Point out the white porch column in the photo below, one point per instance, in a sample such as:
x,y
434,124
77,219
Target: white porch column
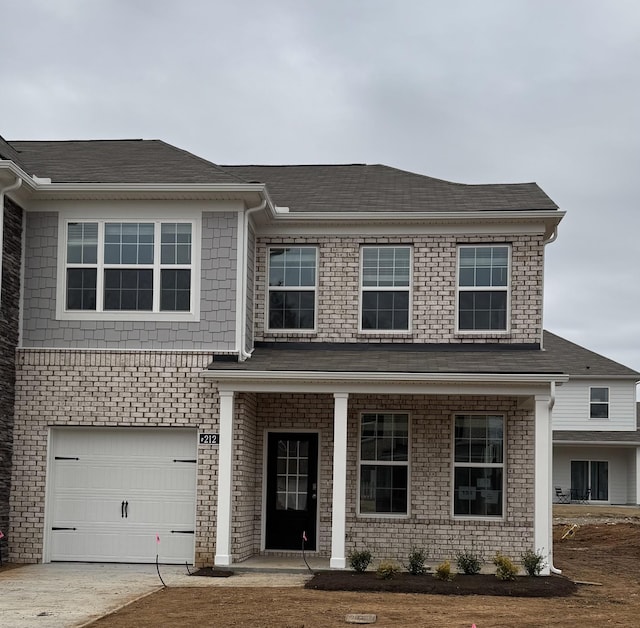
x,y
225,480
638,475
542,485
338,519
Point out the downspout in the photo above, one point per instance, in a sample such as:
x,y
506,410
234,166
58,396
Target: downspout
x,y
243,354
3,191
552,238
552,402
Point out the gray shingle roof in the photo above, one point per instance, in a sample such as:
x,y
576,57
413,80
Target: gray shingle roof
x,y
305,188
117,161
361,187
560,356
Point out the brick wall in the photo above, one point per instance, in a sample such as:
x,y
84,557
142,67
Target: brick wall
x,y
434,293
128,388
429,524
9,317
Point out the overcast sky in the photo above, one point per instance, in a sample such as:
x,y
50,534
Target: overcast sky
x,y
465,90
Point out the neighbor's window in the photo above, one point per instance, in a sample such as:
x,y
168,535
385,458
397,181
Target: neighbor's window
x,y
599,403
292,287
483,288
129,266
478,465
385,294
384,463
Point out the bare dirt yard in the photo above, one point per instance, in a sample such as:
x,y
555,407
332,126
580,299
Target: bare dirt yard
x,y
604,549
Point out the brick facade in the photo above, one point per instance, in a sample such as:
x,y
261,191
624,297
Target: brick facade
x,y
430,523
9,317
433,290
106,389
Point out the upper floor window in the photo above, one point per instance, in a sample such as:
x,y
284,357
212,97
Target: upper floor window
x,y
385,294
139,268
478,473
384,463
599,403
292,288
483,288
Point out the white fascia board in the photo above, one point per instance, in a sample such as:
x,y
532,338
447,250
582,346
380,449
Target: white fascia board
x,y
402,383
489,222
604,378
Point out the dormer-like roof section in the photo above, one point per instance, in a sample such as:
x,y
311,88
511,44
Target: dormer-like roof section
x,y
378,188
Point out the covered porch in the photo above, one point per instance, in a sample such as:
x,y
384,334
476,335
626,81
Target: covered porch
x,y
262,411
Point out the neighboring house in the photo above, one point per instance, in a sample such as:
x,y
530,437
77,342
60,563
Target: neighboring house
x,y
10,254
232,357
596,440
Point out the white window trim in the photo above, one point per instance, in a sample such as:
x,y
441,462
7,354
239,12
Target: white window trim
x,y
494,465
384,515
409,289
144,215
459,288
608,402
314,288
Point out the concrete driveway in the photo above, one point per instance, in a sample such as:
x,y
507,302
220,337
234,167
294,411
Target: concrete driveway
x,y
59,595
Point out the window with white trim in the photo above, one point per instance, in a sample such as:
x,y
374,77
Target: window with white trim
x,y
127,266
599,402
292,288
385,288
483,288
384,463
478,474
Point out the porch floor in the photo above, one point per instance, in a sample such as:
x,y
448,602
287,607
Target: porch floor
x,y
279,564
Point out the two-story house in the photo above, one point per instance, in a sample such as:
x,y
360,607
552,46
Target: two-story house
x,y
596,440
237,359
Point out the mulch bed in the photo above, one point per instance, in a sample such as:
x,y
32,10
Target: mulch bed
x,y
212,572
479,584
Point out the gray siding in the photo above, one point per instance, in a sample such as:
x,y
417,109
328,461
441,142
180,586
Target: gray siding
x,y
214,330
251,272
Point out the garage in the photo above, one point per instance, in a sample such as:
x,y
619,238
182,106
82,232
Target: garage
x,y
114,493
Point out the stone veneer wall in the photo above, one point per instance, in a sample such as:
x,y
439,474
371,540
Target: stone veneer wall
x,y
430,524
9,318
107,389
433,291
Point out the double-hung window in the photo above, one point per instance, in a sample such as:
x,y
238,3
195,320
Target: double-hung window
x,y
384,463
385,294
143,269
292,288
478,473
598,403
483,288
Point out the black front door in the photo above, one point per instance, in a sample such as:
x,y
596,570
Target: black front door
x,y
292,489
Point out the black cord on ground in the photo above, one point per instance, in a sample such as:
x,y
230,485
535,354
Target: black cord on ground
x,y
186,564
158,570
304,538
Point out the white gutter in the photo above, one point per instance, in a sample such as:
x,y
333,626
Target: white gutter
x,y
243,243
552,402
3,191
343,376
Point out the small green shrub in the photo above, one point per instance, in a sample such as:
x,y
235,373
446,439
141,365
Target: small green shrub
x,y
359,560
387,570
417,560
505,569
469,562
534,562
443,571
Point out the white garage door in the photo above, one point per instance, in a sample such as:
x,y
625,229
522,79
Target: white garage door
x,y
111,491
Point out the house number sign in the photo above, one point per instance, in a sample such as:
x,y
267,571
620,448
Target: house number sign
x,y
209,439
